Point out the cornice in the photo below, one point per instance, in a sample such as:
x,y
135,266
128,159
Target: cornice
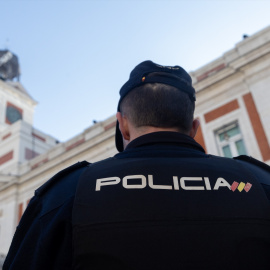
x,y
6,87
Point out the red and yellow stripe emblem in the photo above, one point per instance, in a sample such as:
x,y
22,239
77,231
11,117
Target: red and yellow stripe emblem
x,y
242,186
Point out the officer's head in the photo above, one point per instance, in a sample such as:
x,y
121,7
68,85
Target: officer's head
x,y
155,98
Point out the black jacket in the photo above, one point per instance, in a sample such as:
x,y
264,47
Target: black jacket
x,y
43,237
161,204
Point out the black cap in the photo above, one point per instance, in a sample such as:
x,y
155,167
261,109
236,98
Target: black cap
x,y
171,75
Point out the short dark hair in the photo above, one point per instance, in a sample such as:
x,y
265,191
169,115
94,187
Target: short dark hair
x,y
159,105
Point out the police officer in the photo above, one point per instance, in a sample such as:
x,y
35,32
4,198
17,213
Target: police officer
x,y
161,202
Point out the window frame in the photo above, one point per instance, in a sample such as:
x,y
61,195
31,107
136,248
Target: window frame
x,y
231,141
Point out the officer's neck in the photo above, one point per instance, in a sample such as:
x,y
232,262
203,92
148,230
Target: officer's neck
x,y
131,132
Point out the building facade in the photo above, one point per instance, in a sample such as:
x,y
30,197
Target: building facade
x,y
232,100
233,93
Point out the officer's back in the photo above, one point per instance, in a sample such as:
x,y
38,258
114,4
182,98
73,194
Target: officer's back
x,y
162,203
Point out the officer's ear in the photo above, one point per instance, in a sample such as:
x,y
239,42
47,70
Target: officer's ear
x,y
123,126
194,129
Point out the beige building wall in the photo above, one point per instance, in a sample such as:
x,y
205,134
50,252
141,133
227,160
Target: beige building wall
x,y
234,89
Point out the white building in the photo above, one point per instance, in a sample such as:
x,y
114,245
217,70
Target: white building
x,y
233,93
19,143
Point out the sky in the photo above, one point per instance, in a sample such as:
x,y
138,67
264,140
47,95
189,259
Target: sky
x,y
76,54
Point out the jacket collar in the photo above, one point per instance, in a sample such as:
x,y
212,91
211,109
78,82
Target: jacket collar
x,y
165,138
